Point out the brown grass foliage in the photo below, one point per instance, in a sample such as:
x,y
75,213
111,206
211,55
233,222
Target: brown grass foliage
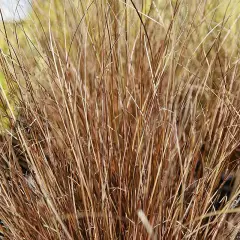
x,y
127,117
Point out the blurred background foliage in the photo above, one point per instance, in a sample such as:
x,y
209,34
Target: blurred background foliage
x,y
55,21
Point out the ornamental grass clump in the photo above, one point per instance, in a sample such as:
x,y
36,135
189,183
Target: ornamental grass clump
x,y
125,121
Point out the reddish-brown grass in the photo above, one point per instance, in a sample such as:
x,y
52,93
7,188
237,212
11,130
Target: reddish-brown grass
x,y
123,126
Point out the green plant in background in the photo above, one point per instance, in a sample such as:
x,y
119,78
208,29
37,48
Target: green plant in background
x,y
7,105
8,93
26,36
13,15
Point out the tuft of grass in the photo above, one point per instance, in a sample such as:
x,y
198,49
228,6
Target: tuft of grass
x,y
125,121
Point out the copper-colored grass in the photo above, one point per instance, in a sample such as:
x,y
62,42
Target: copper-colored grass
x,y
124,124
